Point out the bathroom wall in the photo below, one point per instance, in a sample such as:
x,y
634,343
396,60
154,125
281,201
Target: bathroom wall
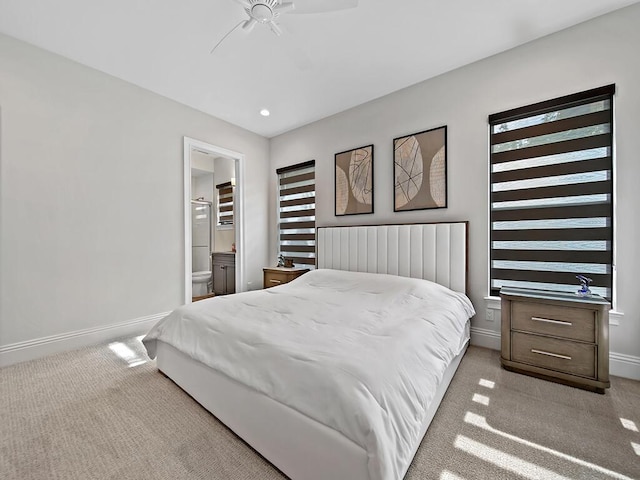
x,y
203,186
201,161
202,233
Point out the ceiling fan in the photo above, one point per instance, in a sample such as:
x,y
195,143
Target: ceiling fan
x,y
267,12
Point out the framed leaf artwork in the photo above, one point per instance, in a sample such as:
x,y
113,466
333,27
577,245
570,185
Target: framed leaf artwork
x,y
354,181
420,170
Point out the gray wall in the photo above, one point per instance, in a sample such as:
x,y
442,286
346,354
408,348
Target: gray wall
x,y
592,54
91,184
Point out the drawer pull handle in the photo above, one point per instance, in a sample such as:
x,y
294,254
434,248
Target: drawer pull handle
x,y
549,354
275,281
556,322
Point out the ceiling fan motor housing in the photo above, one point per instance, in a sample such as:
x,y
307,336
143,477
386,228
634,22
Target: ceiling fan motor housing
x,y
263,11
267,12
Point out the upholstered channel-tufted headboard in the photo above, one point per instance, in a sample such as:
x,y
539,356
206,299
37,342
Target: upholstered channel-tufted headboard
x,y
433,251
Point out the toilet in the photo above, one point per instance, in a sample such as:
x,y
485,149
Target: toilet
x,y
199,281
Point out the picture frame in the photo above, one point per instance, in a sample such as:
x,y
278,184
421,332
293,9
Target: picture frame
x,y
354,181
420,170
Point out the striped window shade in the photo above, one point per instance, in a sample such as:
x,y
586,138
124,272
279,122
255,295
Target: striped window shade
x,y
297,212
552,194
225,203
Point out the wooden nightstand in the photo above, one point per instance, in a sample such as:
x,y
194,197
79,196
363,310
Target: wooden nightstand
x,y
274,276
556,336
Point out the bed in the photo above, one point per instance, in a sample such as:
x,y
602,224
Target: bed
x,y
339,373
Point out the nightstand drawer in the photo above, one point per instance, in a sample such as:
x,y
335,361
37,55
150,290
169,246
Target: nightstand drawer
x,y
274,276
272,279
555,320
555,354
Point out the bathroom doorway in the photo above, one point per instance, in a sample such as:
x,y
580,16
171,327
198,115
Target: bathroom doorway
x,y
213,227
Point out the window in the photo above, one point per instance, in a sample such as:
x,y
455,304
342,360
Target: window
x,y
225,204
552,194
297,212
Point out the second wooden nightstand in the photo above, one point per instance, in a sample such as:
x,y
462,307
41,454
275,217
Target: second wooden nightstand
x,y
556,336
274,276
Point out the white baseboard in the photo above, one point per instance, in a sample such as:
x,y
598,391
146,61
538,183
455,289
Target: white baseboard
x,y
40,347
626,366
485,338
620,365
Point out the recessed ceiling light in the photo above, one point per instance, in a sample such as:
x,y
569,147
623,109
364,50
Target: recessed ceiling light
x,y
264,112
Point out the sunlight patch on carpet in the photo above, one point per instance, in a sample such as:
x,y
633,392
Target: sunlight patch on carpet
x,y
447,475
506,461
629,424
482,399
481,422
486,383
126,354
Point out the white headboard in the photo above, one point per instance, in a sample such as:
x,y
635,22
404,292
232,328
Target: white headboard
x,y
433,251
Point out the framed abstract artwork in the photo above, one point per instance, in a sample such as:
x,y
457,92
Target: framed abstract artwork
x,y
420,170
354,181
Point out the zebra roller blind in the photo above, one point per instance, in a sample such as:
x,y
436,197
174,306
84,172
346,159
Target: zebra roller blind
x,y
552,194
225,203
297,212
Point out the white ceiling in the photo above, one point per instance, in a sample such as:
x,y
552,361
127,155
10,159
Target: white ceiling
x,y
321,65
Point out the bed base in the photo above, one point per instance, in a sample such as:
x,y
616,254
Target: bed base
x,y
297,445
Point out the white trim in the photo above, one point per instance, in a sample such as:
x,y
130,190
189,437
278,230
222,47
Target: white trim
x,y
482,337
187,145
614,316
626,366
620,365
614,203
492,302
40,347
238,207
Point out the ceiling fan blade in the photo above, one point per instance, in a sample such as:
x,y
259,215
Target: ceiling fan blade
x,y
323,6
284,7
225,36
275,28
249,24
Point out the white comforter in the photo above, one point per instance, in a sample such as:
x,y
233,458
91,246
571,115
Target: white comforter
x,y
361,353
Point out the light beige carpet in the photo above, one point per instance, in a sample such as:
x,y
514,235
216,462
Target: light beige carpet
x,y
98,413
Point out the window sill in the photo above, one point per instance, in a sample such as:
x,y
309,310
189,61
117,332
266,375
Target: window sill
x,y
492,302
224,227
614,316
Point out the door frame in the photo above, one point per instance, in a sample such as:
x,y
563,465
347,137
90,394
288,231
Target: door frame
x,y
238,209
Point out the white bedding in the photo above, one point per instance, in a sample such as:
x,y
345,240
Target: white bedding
x,y
361,353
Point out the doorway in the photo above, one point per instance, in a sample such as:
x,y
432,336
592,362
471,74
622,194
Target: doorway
x,y
206,168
